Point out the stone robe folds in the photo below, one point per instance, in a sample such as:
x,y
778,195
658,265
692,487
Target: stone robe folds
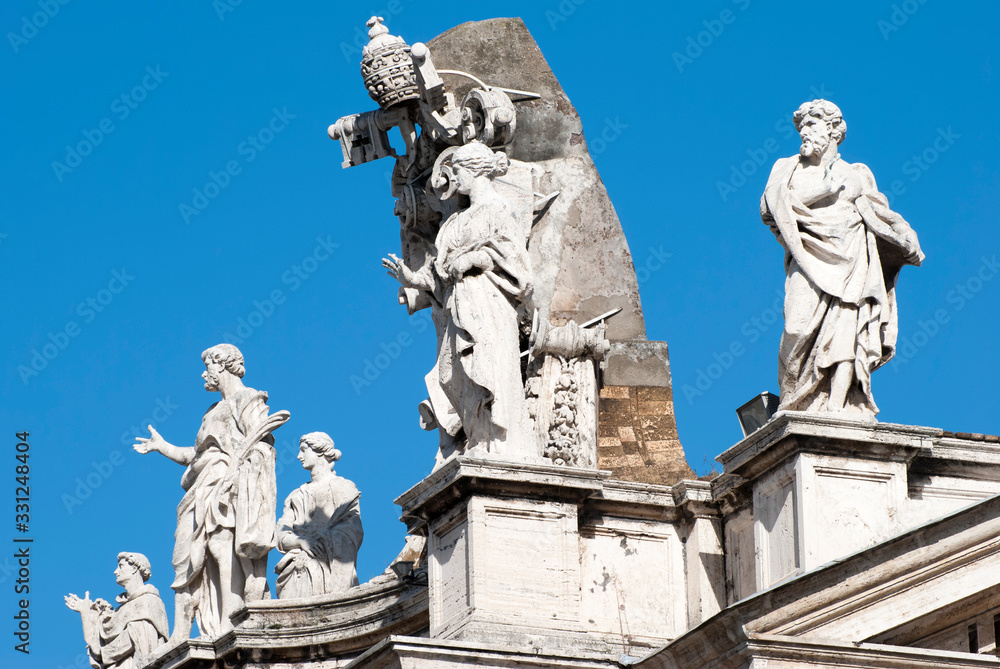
x,y
478,366
242,516
326,517
842,260
133,631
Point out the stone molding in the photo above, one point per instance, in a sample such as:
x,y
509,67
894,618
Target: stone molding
x,y
398,652
310,628
827,434
871,592
463,476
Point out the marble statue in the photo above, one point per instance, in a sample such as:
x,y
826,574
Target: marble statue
x,y
482,274
123,638
464,235
844,248
225,521
320,530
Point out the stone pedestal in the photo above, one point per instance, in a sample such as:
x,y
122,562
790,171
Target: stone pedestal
x,y
503,548
806,489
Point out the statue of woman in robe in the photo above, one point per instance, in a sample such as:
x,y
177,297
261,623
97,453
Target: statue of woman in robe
x,y
482,273
320,530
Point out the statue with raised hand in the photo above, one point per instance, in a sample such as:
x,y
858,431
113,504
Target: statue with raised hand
x,y
225,521
123,638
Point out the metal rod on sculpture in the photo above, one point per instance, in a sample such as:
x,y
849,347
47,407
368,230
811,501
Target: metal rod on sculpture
x,y
595,321
526,95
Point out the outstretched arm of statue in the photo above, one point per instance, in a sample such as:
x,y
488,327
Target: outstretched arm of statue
x,y
88,616
182,455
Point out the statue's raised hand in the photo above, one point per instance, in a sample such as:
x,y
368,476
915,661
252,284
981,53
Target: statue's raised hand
x,y
398,270
77,604
154,442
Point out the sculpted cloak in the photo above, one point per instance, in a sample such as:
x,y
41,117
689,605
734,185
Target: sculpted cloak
x,y
209,507
326,516
843,255
478,365
134,630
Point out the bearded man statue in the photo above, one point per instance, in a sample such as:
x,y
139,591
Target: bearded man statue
x,y
844,248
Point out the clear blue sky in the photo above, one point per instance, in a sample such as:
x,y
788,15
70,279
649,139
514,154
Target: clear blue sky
x,y
100,265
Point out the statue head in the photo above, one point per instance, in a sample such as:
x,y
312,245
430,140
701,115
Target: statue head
x,y
127,562
457,167
315,446
218,358
480,160
819,122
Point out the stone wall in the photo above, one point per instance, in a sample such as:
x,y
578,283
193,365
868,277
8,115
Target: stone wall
x,y
637,435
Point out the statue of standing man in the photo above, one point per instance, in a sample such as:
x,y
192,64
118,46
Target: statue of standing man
x,y
226,519
844,248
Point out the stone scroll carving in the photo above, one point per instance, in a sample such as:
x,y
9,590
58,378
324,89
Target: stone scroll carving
x,y
844,248
320,530
124,637
562,390
226,519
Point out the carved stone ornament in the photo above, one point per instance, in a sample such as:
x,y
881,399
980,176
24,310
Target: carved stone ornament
x,y
562,390
386,67
488,116
124,637
320,530
844,248
225,521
